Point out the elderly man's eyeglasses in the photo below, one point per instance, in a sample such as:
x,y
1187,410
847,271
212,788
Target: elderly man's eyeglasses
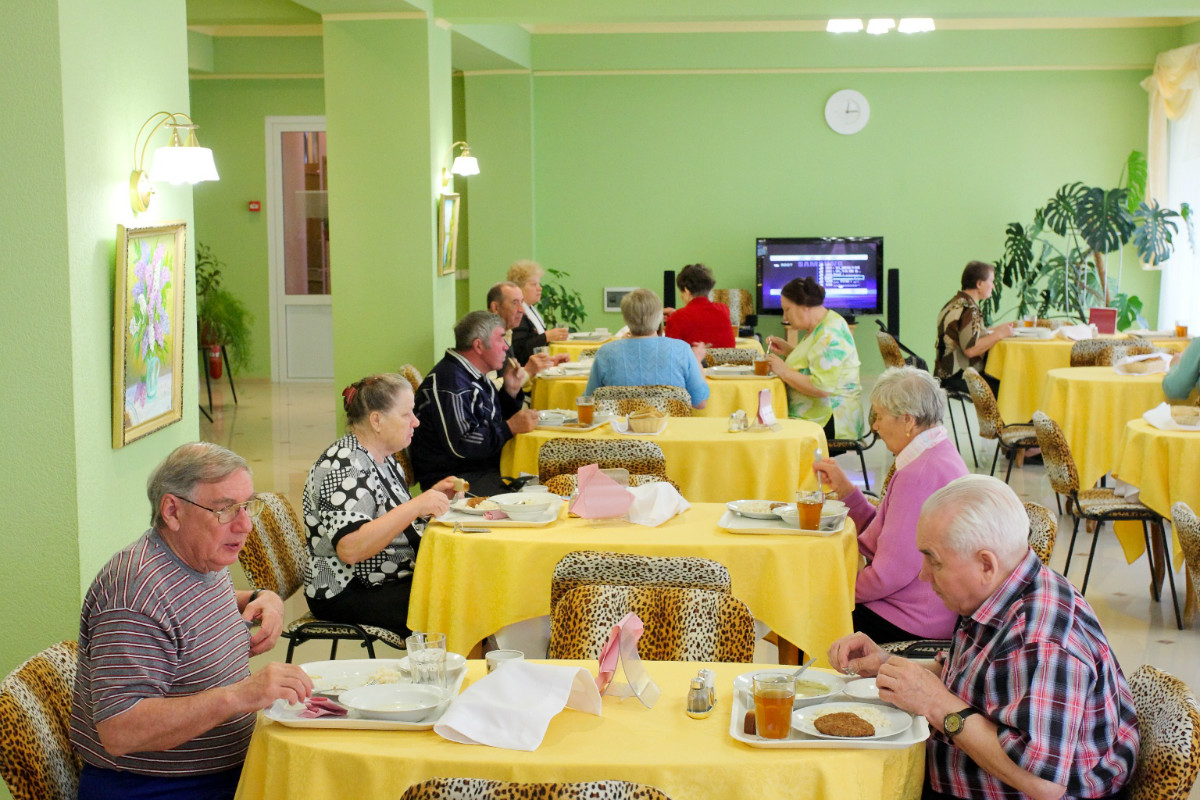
x,y
253,507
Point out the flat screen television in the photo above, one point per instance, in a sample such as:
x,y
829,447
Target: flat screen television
x,y
849,267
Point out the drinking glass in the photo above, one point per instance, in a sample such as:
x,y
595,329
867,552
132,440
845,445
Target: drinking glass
x,y
1181,329
761,365
427,658
1030,321
773,697
585,409
808,506
496,658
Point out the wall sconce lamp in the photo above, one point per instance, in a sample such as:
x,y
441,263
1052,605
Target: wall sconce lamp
x,y
465,164
179,162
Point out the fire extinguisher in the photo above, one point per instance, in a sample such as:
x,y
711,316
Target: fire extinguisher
x,y
214,361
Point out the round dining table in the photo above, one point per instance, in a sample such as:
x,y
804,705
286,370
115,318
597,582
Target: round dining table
x,y
708,462
726,394
687,759
469,585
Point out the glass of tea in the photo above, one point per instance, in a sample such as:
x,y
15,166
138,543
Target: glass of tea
x,y
773,697
808,505
585,409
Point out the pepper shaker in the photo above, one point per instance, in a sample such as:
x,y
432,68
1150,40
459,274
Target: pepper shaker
x,y
699,703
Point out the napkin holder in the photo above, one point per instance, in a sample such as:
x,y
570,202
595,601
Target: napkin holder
x,y
620,654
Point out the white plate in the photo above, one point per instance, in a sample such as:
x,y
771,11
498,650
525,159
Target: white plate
x,y
740,507
577,368
745,683
1168,334
732,369
451,517
888,721
733,523
1033,333
864,689
331,678
573,427
461,507
587,336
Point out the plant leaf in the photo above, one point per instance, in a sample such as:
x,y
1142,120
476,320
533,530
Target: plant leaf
x,y
1154,232
1059,213
1103,221
1135,179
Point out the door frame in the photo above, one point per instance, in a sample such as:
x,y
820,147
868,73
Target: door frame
x,y
274,126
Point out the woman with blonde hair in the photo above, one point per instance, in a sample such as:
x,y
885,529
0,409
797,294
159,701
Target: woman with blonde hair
x,y
532,332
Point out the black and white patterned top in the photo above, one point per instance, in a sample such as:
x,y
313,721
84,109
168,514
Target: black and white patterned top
x,y
345,490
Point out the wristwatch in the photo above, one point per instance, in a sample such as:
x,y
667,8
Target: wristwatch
x,y
952,724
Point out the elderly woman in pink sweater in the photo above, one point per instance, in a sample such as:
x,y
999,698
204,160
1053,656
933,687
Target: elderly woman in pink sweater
x,y
891,602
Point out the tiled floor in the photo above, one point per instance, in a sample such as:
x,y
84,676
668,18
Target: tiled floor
x,y
281,428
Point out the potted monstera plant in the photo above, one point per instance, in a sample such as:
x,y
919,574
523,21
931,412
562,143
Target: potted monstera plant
x,y
222,319
1059,266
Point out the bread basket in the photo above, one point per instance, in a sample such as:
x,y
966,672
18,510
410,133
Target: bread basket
x,y
647,420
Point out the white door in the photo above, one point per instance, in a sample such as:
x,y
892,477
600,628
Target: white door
x,y
298,250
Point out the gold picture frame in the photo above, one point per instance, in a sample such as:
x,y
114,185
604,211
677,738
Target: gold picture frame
x,y
148,329
448,208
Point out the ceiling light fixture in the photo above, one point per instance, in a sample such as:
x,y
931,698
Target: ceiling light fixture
x,y
179,162
879,26
844,26
916,25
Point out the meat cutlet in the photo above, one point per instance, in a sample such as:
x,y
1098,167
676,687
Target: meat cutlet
x,y
843,723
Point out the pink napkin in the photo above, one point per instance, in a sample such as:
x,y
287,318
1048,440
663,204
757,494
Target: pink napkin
x,y
321,707
766,411
599,496
495,514
632,627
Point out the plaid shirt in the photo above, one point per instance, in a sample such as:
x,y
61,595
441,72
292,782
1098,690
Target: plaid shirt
x,y
1034,661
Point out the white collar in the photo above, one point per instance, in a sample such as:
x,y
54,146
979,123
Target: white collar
x,y
920,443
532,314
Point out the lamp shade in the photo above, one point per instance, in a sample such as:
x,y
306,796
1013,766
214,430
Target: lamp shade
x,y
465,164
178,164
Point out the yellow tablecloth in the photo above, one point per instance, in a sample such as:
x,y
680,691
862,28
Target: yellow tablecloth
x,y
1021,365
687,759
726,395
710,464
1164,465
470,585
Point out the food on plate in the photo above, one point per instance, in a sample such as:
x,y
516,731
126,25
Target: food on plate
x,y
1143,367
384,675
461,485
810,688
843,723
778,505
756,506
1186,415
750,724
481,503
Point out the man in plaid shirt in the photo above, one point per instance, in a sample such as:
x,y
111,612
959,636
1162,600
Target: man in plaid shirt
x,y
1030,699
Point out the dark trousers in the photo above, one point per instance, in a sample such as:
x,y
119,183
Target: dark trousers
x,y
385,606
879,629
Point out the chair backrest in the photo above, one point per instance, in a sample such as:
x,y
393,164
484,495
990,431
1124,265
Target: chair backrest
x,y
729,355
1187,528
641,393
739,301
680,624
1169,729
412,375
1056,455
671,406
36,758
887,479
889,349
588,352
565,455
990,421
565,485
275,555
404,461
1093,352
589,567
484,789
1043,528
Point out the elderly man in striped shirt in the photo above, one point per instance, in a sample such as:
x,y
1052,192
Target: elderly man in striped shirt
x,y
164,699
1030,700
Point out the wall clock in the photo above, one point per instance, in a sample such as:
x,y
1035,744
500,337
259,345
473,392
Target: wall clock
x,y
847,111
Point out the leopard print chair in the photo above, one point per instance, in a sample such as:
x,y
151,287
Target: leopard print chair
x,y
275,557
1187,528
729,355
1096,352
590,568
680,624
889,348
564,456
1009,438
567,485
1098,504
483,789
739,302
1169,728
620,400
412,375
36,758
588,352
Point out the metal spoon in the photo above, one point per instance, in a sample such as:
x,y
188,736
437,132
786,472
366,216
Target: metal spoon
x,y
796,675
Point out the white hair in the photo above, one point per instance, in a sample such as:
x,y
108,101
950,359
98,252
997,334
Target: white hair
x,y
981,513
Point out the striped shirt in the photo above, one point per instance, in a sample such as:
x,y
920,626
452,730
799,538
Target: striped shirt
x,y
1034,660
153,627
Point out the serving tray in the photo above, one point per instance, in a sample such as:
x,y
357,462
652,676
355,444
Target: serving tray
x,y
916,733
735,523
451,517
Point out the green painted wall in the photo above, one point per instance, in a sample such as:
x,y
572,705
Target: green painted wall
x,y
78,98
232,116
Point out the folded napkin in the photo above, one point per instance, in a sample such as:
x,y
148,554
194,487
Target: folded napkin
x,y
1160,417
630,626
599,496
1147,364
321,707
1076,333
766,411
655,503
512,707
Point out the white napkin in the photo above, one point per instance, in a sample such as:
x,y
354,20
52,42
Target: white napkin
x,y
1163,359
655,503
512,707
1160,417
1076,332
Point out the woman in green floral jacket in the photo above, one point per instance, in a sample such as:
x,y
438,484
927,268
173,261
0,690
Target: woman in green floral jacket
x,y
821,369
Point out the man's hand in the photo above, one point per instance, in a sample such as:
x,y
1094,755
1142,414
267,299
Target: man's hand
x,y
912,687
556,334
267,611
275,681
858,654
514,376
538,362
523,421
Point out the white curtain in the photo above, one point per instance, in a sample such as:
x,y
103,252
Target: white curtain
x,y
1173,158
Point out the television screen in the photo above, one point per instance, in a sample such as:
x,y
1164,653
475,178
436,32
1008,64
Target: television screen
x,y
850,268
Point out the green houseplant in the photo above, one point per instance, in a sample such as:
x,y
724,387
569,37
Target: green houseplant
x,y
1058,265
559,305
222,319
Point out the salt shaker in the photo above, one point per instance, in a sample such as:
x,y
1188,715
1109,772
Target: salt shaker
x,y
699,701
710,683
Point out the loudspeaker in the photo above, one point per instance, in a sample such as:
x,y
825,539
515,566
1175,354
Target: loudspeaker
x,y
893,302
668,295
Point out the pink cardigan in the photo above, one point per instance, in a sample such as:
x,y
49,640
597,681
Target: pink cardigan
x,y
889,585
